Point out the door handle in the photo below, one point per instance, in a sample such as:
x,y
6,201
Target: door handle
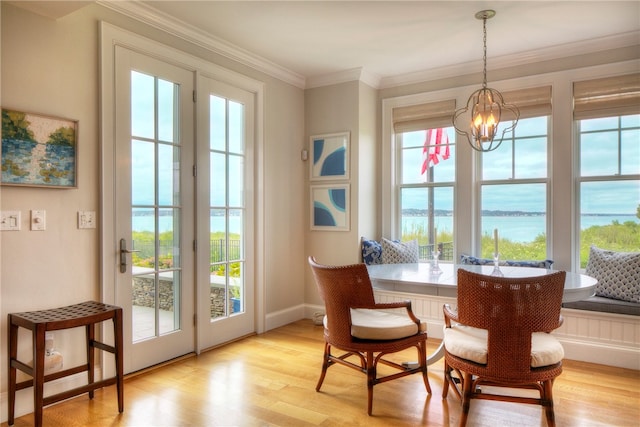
x,y
123,255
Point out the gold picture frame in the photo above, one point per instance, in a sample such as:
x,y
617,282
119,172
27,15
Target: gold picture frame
x,y
39,150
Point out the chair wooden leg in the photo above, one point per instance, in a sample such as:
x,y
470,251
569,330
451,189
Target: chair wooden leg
x,y
422,350
547,402
371,380
467,383
447,376
325,364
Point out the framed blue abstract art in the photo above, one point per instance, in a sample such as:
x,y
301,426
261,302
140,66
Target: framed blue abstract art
x,y
330,156
330,207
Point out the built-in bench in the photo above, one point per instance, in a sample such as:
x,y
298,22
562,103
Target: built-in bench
x,y
599,329
618,289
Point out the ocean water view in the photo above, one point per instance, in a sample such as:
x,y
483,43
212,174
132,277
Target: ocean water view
x,y
515,228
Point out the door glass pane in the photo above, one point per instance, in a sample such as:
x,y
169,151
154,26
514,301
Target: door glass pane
x,y
168,175
218,257
226,201
218,123
155,207
166,113
169,238
218,184
142,105
142,172
236,181
236,127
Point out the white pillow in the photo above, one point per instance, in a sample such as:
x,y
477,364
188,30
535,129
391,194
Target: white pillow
x,y
618,273
399,252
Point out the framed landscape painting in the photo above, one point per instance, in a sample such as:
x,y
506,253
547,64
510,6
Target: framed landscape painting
x,y
330,156
330,207
38,150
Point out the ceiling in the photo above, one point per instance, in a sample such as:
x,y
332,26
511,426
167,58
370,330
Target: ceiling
x,y
385,39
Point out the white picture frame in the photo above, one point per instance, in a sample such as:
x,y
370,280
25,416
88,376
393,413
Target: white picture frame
x,y
329,156
330,207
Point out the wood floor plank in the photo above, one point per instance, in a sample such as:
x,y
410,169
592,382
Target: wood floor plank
x,y
270,379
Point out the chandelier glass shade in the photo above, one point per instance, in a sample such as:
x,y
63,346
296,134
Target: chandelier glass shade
x,y
478,121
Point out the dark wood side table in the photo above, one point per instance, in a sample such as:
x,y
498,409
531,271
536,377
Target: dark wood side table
x,y
86,314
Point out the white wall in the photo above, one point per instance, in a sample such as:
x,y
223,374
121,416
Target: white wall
x,y
51,67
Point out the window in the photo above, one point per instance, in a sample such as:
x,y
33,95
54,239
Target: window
x,y
514,182
513,193
426,176
608,131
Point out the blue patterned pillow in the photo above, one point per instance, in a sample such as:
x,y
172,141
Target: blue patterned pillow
x,y
471,260
547,263
371,251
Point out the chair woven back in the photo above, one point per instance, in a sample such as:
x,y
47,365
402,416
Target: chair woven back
x,y
342,287
510,309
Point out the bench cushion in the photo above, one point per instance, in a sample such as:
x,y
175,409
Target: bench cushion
x,y
605,305
471,260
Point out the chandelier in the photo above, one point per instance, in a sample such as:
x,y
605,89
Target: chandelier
x,y
480,118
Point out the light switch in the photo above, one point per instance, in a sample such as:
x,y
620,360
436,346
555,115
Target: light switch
x,y
86,219
10,221
38,220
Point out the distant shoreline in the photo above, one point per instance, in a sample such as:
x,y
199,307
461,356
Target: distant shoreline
x,y
439,212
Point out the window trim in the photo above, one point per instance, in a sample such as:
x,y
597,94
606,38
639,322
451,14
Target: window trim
x,y
562,199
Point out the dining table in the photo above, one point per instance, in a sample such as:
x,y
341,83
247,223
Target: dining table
x,y
441,280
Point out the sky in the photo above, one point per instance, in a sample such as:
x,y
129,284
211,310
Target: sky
x,y
604,157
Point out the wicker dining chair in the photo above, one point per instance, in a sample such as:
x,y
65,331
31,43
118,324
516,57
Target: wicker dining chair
x,y
499,337
359,327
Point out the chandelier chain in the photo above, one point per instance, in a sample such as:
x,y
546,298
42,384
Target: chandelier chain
x,y
484,56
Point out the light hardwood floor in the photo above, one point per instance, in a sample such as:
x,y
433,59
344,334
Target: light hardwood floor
x,y
270,379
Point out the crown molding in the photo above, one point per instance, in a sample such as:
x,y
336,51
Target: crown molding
x,y
353,74
521,58
180,29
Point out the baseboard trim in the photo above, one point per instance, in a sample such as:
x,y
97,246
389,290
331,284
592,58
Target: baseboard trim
x,y
284,317
611,355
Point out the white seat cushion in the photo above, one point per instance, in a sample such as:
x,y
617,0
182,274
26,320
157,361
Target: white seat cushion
x,y
383,324
471,344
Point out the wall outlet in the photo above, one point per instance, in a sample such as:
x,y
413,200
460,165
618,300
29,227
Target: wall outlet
x,y
86,219
38,220
10,220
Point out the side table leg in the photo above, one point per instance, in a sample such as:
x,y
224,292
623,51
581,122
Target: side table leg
x,y
91,335
38,373
13,355
119,341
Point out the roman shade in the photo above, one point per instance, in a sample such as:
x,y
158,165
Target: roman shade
x,y
532,102
606,97
431,115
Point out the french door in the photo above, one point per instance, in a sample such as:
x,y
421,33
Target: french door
x,y
177,199
225,221
154,208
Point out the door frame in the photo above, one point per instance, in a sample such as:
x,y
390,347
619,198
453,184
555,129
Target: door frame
x,y
110,36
